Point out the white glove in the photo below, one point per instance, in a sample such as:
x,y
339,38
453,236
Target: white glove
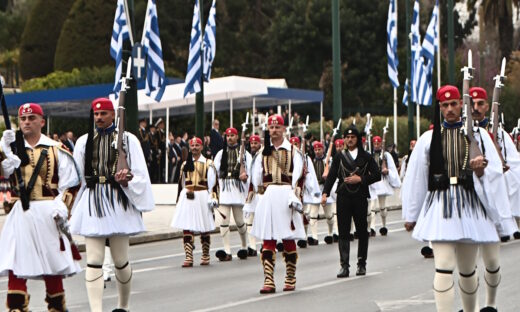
x,y
247,215
12,161
212,203
8,137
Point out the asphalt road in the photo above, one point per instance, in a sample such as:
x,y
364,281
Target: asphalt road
x,y
398,279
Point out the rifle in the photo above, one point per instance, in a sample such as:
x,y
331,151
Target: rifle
x,y
474,150
24,197
243,146
495,124
329,150
122,163
384,164
289,128
368,132
303,148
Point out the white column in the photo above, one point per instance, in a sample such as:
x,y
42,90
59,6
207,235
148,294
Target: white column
x,y
212,112
279,110
254,115
151,116
395,117
290,111
167,161
231,112
49,126
321,121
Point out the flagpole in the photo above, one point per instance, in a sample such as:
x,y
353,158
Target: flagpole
x,y
199,98
396,5
418,121
438,51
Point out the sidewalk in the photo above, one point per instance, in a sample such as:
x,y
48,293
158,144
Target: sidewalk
x,y
157,224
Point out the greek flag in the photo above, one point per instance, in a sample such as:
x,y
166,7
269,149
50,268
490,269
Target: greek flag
x,y
210,44
155,76
426,61
119,34
415,40
193,75
391,46
405,94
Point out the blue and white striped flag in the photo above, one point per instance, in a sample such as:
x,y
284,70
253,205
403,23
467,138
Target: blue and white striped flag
x,y
119,34
405,94
391,46
193,75
155,76
210,43
415,40
426,61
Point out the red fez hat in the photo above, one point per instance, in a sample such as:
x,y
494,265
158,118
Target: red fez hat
x,y
275,120
430,127
377,138
339,142
478,93
294,140
102,104
447,93
30,109
231,131
254,138
195,140
317,144
363,139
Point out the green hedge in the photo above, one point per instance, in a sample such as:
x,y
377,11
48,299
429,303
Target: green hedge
x,y
76,77
84,40
40,36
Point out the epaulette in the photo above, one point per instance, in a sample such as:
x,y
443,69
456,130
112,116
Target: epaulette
x,y
64,149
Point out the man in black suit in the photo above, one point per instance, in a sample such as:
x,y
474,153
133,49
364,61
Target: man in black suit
x,y
356,170
216,142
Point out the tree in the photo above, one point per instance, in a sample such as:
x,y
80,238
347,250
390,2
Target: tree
x,y
40,35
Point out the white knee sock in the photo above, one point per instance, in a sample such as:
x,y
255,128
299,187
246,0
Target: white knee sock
x,y
313,222
224,227
241,225
443,283
329,214
119,248
94,273
468,278
252,239
491,255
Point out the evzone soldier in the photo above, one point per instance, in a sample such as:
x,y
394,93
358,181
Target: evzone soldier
x,y
32,246
355,170
383,189
253,196
504,204
406,158
278,212
110,202
445,197
234,187
197,198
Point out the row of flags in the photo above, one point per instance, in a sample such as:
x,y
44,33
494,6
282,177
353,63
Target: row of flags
x,y
152,50
423,55
209,46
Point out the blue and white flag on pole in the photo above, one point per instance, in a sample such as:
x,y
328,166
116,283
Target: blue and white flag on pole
x,y
119,34
155,76
415,40
425,63
405,94
210,43
391,46
193,75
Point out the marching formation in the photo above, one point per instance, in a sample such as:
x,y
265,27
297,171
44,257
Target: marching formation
x,y
460,194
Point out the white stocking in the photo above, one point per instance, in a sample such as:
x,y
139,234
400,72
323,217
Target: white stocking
x,y
313,222
107,264
443,283
252,239
468,279
241,225
94,273
383,209
491,256
373,209
119,248
224,225
335,226
329,215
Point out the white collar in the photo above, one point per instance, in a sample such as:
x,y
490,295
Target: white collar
x,y
285,145
44,140
201,159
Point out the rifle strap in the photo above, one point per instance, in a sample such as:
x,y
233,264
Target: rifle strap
x,y
348,158
36,171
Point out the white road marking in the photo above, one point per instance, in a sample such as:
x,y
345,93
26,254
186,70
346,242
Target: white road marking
x,y
271,296
399,305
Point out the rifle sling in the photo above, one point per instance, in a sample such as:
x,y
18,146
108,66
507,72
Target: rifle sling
x,y
348,158
36,171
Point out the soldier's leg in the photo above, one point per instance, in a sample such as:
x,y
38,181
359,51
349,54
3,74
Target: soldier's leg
x,y
188,244
468,277
119,248
373,208
313,223
223,215
335,233
251,251
516,235
491,256
205,240
384,212
238,215
329,216
443,283
17,297
107,265
95,247
55,297
290,256
359,214
268,259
